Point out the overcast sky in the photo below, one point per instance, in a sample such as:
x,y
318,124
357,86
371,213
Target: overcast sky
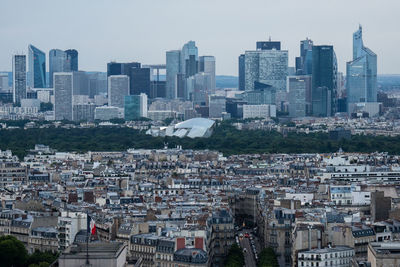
x,y
133,30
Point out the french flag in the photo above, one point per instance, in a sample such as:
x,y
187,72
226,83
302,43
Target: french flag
x,y
91,225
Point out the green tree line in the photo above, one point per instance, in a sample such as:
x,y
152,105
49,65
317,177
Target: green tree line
x,y
225,139
14,253
235,257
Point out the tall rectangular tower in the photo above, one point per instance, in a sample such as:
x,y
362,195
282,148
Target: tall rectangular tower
x,y
173,60
63,87
118,88
324,81
57,63
242,71
19,78
189,59
297,96
304,62
207,65
139,81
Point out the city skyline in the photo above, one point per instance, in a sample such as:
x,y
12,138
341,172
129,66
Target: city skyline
x,y
100,40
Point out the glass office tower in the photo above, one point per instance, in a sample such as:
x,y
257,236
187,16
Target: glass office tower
x,y
361,75
72,60
57,63
173,66
324,79
135,107
139,81
189,59
37,67
242,72
304,62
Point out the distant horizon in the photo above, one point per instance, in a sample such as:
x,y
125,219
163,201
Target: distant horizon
x,y
219,75
103,31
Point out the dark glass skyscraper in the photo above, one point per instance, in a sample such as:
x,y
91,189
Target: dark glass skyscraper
x,y
324,72
268,45
37,67
115,68
242,71
139,81
139,78
72,60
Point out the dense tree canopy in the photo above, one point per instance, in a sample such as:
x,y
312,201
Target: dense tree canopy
x,y
235,257
14,253
225,139
41,259
267,258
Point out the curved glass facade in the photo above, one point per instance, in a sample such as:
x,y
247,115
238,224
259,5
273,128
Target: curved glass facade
x,y
37,67
361,72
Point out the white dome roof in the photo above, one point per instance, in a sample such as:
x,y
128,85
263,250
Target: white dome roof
x,y
195,122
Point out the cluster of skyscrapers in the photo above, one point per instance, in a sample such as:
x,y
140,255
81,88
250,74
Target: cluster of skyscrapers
x,y
313,87
36,76
267,85
189,76
184,77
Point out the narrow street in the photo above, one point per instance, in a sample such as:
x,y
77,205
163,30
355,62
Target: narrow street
x,y
245,244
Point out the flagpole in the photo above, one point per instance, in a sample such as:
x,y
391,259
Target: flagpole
x,y
87,238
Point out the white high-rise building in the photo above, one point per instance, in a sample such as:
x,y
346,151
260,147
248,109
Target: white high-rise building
x,y
118,88
63,86
69,224
217,106
143,105
207,65
297,87
57,63
19,78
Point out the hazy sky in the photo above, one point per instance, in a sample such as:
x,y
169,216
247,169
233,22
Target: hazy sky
x,y
133,30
